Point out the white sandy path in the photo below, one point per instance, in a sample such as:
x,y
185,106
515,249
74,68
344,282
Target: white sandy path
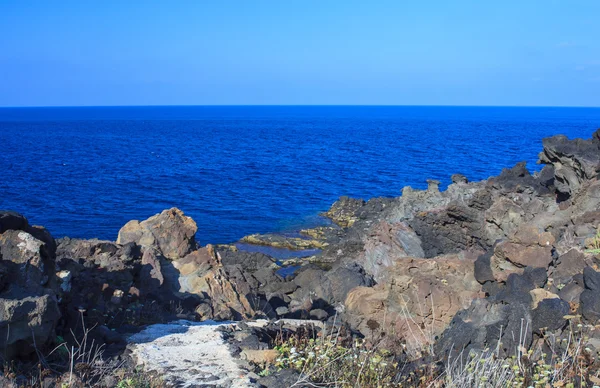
x,y
188,354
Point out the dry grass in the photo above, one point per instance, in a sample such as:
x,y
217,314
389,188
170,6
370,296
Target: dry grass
x,y
330,359
79,365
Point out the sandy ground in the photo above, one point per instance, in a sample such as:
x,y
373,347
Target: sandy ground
x,y
188,354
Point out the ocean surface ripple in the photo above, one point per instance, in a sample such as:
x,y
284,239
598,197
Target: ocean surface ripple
x,y
85,172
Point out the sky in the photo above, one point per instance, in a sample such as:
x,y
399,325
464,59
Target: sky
x,y
400,52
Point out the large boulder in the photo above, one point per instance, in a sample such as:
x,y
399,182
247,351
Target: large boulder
x,y
201,273
326,290
28,304
528,247
10,220
417,303
170,231
27,322
590,297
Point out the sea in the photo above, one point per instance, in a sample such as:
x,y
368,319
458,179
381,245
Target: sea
x,y
86,171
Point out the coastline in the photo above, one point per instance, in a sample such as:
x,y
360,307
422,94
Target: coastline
x,y
461,262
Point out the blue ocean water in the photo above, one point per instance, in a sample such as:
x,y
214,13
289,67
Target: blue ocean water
x,y
85,172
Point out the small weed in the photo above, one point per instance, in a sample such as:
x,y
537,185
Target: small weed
x,y
594,244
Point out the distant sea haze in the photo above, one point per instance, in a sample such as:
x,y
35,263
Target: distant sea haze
x,y
84,172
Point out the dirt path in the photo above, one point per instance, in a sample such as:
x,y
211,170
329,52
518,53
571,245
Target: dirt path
x,y
188,354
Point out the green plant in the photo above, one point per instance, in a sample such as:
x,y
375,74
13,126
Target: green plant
x,y
594,244
138,378
328,359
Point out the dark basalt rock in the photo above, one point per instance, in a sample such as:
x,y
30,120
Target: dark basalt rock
x,y
518,179
250,261
549,315
591,279
590,305
455,229
505,316
320,289
483,270
284,378
568,265
10,220
590,297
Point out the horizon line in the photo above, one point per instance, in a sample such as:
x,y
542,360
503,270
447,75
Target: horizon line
x,y
295,105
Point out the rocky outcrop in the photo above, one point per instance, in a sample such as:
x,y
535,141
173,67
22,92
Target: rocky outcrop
x,y
10,220
481,264
506,320
527,248
386,244
28,304
171,232
201,273
317,289
343,211
417,302
280,241
574,162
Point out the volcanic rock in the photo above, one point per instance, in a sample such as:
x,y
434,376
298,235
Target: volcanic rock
x,y
170,231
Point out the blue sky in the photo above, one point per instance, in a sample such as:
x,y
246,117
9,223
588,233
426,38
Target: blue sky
x,y
300,52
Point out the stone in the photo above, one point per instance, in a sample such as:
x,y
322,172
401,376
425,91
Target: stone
x,y
571,292
527,248
574,162
28,262
65,278
459,178
517,179
591,279
284,378
151,278
449,230
420,293
342,212
483,271
539,294
568,265
10,220
201,273
590,305
487,323
387,243
318,314
549,313
25,322
433,185
284,242
320,289
171,232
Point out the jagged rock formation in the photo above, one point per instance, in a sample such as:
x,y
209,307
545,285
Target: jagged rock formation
x,y
170,231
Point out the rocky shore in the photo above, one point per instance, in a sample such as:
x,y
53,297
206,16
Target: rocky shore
x,y
501,263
